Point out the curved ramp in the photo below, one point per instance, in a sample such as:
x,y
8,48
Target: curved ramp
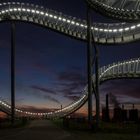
x,y
125,69
104,33
126,10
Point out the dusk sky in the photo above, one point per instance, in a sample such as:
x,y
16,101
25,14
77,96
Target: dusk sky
x,y
51,68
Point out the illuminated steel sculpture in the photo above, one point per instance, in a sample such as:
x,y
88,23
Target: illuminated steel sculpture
x,y
125,69
103,33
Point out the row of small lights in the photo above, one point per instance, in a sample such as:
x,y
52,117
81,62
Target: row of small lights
x,y
74,104
121,63
6,105
40,114
114,8
70,21
118,30
18,110
74,23
108,6
46,14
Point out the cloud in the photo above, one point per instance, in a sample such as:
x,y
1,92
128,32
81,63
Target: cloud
x,y
72,97
20,100
50,98
71,77
130,88
72,83
42,94
43,89
42,68
29,64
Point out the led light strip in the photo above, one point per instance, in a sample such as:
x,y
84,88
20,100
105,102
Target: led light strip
x,y
72,22
113,8
77,103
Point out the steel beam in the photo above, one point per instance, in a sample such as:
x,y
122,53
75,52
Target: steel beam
x,y
89,65
12,72
97,87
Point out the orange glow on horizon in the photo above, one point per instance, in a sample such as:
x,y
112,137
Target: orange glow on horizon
x,y
2,115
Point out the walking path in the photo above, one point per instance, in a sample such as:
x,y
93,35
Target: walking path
x,y
37,130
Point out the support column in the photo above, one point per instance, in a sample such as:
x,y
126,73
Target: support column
x,y
89,65
97,86
107,118
12,73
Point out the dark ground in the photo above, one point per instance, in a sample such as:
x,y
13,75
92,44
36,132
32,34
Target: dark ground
x,y
46,130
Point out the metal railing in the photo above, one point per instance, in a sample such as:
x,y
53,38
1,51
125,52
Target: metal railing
x,y
104,33
125,69
127,10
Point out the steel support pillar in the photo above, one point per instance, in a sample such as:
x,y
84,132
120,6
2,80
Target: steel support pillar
x,y
89,65
107,109
97,87
12,72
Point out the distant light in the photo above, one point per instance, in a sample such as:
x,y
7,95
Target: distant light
x,y
51,15
110,30
3,12
42,13
15,9
126,29
100,29
120,30
115,30
68,21
33,11
133,27
64,19
19,9
11,10
37,12
85,26
23,9
46,14
96,29
138,25
60,18
77,24
105,30
72,22
28,10
81,25
55,17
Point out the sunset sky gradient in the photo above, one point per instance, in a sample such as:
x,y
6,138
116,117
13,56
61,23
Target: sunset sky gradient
x,y
51,68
